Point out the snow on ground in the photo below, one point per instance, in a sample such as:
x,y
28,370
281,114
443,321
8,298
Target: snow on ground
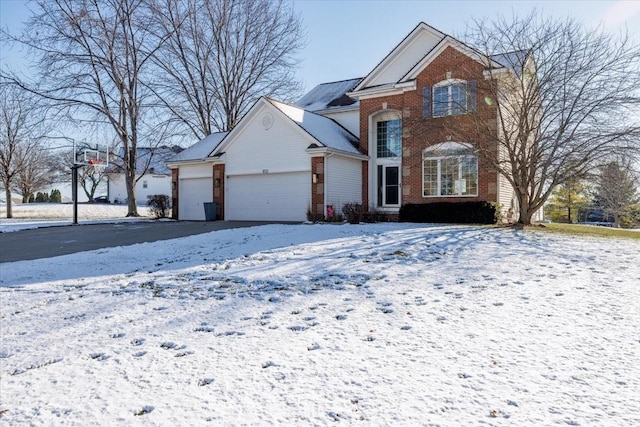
x,y
35,215
387,324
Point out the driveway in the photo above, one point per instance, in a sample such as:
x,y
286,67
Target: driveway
x,y
53,241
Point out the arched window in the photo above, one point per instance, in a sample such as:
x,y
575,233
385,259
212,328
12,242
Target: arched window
x,y
449,169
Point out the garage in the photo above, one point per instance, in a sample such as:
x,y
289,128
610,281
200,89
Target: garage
x,y
268,197
194,192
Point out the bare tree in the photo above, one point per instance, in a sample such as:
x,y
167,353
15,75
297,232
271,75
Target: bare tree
x,y
37,173
92,56
20,117
89,177
565,99
221,56
616,190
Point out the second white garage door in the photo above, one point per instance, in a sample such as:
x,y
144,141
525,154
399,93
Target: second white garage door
x,y
268,197
193,193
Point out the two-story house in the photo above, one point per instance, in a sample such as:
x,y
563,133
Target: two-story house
x,y
404,134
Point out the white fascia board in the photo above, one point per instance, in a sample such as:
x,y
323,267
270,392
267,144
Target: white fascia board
x,y
448,41
322,151
391,56
389,89
212,160
337,110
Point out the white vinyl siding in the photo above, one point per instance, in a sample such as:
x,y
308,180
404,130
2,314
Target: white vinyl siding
x,y
350,120
155,184
345,182
256,150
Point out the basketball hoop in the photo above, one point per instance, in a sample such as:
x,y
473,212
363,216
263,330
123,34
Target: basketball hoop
x,y
95,165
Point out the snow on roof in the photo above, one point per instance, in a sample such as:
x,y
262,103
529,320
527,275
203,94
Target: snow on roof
x,y
201,149
155,157
513,60
326,131
329,95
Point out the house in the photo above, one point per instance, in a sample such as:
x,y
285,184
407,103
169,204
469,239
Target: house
x,y
403,134
152,177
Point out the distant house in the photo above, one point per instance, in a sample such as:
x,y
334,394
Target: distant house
x,y
153,176
383,141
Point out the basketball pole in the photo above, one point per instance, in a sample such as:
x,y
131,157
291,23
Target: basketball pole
x,y
74,190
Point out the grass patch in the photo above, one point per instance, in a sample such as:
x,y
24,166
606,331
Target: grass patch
x,y
588,230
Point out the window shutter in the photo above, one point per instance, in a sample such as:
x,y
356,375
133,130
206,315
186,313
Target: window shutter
x,y
426,102
472,96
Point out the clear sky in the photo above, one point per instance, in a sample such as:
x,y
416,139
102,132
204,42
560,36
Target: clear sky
x,y
346,39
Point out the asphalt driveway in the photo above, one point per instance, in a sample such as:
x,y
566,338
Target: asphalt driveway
x,y
53,241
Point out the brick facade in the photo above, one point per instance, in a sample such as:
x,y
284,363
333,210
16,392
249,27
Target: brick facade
x,y
317,188
218,189
420,132
174,192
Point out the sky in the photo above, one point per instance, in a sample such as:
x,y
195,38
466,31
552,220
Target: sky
x,y
347,39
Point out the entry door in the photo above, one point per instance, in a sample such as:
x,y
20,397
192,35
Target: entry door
x,y
388,186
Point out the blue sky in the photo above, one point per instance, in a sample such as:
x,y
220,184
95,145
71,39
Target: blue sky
x,y
346,39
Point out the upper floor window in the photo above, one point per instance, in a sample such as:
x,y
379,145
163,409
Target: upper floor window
x,y
450,98
389,138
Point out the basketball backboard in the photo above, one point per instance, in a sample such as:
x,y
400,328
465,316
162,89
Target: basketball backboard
x,y
91,155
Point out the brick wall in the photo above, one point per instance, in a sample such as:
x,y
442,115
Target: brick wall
x,y
174,193
420,132
218,189
317,189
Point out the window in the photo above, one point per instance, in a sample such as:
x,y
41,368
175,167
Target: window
x,y
450,98
389,138
449,169
144,184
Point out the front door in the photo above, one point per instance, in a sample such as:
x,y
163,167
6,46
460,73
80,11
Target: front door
x,y
388,186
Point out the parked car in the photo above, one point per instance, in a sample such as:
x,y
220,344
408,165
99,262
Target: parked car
x,y
101,199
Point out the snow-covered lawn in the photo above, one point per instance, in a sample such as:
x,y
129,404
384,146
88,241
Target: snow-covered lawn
x,y
372,325
34,215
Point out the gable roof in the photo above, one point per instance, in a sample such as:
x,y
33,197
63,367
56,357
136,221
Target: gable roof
x,y
416,51
410,50
515,60
327,132
155,157
331,95
200,150
324,131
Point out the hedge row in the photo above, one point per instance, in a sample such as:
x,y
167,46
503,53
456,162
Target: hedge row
x,y
448,212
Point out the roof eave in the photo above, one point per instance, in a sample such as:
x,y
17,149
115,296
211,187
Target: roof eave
x,y
388,89
329,150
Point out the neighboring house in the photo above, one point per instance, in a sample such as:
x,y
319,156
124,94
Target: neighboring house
x,y
152,177
385,140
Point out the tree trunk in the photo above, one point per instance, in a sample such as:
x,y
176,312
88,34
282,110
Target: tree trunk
x,y
525,211
9,202
130,182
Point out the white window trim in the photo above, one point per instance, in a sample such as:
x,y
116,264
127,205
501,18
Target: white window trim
x,y
381,116
441,149
447,83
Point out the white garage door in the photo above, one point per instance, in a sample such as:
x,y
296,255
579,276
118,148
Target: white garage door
x,y
193,192
269,197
